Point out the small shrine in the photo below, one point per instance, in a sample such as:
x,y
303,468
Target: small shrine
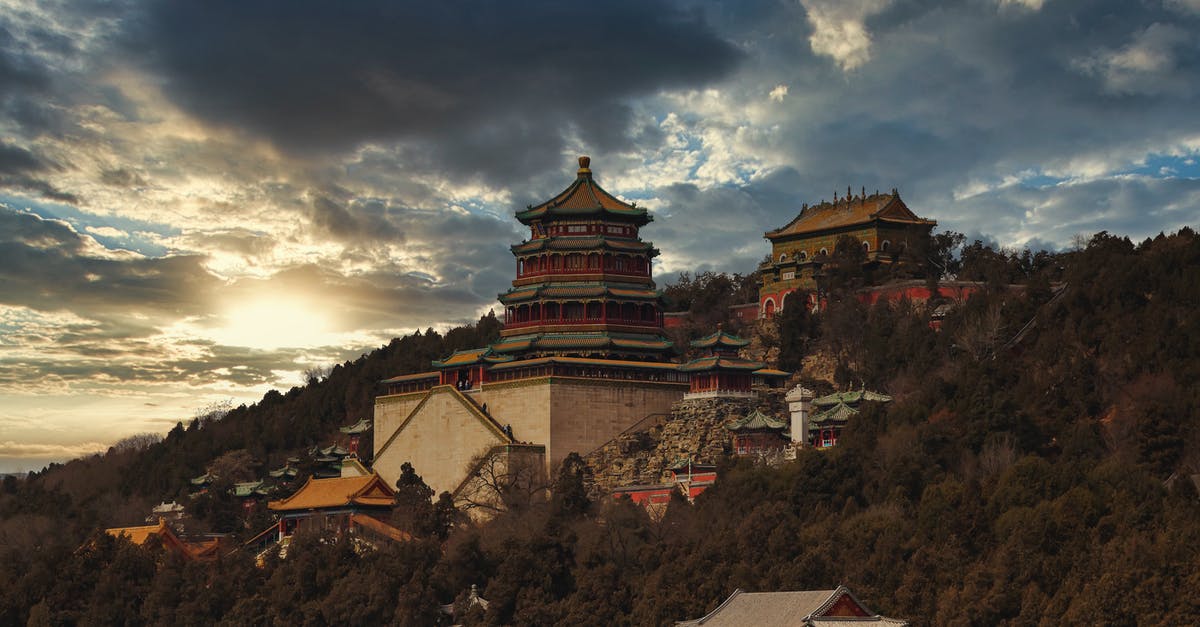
x,y
805,607
691,478
357,432
332,503
881,224
757,434
190,550
821,420
720,372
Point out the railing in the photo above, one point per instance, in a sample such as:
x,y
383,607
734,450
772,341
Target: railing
x,y
720,394
560,321
561,271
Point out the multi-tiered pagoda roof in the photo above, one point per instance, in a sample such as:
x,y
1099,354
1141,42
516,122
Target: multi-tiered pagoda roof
x,y
584,286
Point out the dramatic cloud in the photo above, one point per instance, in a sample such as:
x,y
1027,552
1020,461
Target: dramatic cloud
x,y
198,200
472,81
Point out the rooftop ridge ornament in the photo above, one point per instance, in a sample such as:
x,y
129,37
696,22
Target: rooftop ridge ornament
x,y
585,171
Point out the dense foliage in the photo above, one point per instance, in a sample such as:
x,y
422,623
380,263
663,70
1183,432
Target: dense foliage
x,y
1035,467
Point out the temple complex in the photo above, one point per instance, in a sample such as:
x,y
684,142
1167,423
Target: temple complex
x,y
336,503
582,355
882,224
758,434
719,371
581,358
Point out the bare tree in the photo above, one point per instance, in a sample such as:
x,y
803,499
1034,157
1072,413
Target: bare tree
x,y
979,334
136,442
999,452
317,373
213,411
504,478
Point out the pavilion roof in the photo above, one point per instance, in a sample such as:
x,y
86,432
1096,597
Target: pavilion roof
x,y
588,242
850,211
717,362
720,339
190,550
772,372
419,376
584,198
785,609
560,341
578,290
586,361
138,535
852,398
757,421
362,426
288,470
247,488
839,413
471,356
369,490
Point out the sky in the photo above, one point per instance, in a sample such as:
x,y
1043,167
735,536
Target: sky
x,y
200,199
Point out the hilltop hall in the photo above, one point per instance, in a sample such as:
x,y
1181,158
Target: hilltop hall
x,y
581,357
881,223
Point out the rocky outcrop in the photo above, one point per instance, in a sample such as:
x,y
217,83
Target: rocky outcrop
x,y
694,429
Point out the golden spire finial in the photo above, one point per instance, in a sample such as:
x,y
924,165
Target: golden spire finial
x,y
584,170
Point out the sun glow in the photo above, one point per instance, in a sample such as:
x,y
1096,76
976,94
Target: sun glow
x,y
272,323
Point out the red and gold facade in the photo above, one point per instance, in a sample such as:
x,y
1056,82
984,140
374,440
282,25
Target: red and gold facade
x,y
881,223
584,286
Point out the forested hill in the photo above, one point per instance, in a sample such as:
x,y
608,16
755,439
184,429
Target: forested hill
x,y
118,487
1035,467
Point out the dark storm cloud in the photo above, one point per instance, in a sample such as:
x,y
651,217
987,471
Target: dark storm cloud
x,y
349,220
732,219
21,169
464,77
962,94
47,265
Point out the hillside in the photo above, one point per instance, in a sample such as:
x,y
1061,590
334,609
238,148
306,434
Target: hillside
x,y
1035,467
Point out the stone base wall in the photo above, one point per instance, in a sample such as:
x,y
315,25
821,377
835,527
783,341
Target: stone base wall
x,y
564,414
695,429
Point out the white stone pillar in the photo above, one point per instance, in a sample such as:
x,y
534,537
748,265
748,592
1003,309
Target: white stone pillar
x,y
799,400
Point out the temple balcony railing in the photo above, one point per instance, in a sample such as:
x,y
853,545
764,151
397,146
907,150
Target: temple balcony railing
x,y
582,321
720,394
528,274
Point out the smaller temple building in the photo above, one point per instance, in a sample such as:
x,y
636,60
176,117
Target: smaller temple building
x,y
808,608
881,223
758,434
187,549
720,372
333,503
834,411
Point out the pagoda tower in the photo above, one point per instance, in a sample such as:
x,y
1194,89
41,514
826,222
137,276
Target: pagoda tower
x,y
584,286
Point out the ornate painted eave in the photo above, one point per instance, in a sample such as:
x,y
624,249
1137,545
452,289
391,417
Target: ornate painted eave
x,y
588,243
584,198
716,362
471,357
757,421
720,339
582,290
849,212
362,426
852,398
838,414
593,341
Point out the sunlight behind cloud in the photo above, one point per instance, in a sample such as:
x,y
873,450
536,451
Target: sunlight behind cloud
x,y
270,323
